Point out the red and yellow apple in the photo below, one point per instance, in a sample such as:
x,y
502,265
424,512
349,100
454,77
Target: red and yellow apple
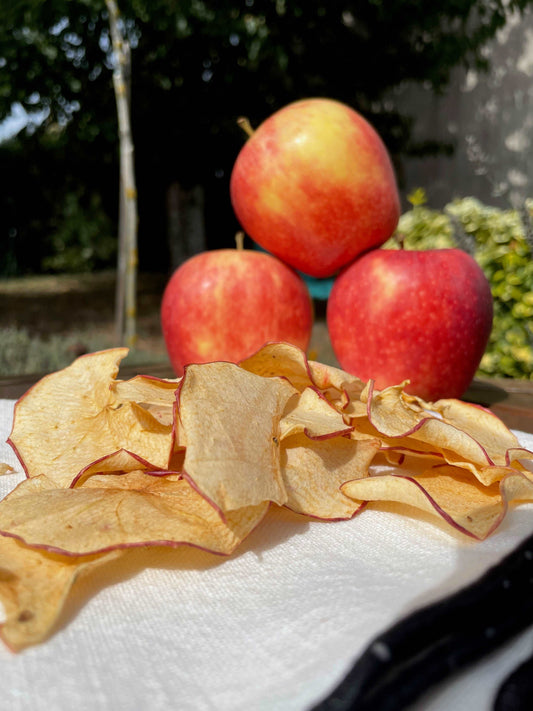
x,y
315,186
227,303
422,316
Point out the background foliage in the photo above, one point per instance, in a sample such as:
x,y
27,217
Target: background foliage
x,y
196,66
501,242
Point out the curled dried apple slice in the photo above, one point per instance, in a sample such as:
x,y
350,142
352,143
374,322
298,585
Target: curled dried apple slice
x,y
311,414
115,511
34,585
229,425
119,462
314,470
146,389
283,360
449,492
72,417
496,439
157,395
327,377
464,435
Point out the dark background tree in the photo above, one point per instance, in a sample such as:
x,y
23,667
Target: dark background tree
x,y
196,66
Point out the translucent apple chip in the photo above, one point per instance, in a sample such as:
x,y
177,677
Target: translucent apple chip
x,y
310,413
500,444
464,435
449,492
284,360
33,588
116,511
145,389
229,424
120,462
72,417
157,395
327,377
314,470
517,486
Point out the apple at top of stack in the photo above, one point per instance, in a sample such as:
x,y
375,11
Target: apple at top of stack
x,y
314,185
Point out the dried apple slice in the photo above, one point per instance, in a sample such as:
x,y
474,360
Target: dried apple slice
x,y
115,511
146,389
33,588
314,470
464,435
283,360
157,395
120,462
327,377
287,361
310,413
501,445
72,417
229,424
449,492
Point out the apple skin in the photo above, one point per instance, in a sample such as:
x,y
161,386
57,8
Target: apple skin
x,y
227,303
425,316
314,185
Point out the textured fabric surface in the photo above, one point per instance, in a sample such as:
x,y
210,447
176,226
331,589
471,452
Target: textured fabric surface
x,y
272,628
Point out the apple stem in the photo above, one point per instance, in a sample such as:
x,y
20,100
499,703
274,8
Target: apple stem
x,y
246,126
400,240
239,241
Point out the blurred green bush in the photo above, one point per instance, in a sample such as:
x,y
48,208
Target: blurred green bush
x,y
501,241
82,237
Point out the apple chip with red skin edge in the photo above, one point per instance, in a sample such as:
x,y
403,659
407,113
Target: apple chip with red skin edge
x,y
464,435
311,414
501,445
314,470
146,389
328,376
234,461
341,389
450,493
157,395
119,462
280,360
288,361
34,586
73,416
116,511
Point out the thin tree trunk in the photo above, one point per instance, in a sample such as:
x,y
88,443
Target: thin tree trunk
x,y
185,222
126,299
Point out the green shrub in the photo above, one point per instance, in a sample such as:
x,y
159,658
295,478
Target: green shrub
x,y
82,236
501,242
23,353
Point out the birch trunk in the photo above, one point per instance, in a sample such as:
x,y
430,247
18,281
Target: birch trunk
x,y
126,297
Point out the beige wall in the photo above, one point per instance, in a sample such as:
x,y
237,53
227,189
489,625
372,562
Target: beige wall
x,y
489,119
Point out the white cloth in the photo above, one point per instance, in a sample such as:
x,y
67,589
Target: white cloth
x,y
272,628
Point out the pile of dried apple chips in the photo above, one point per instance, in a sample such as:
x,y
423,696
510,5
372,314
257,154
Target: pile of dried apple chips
x,y
113,464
